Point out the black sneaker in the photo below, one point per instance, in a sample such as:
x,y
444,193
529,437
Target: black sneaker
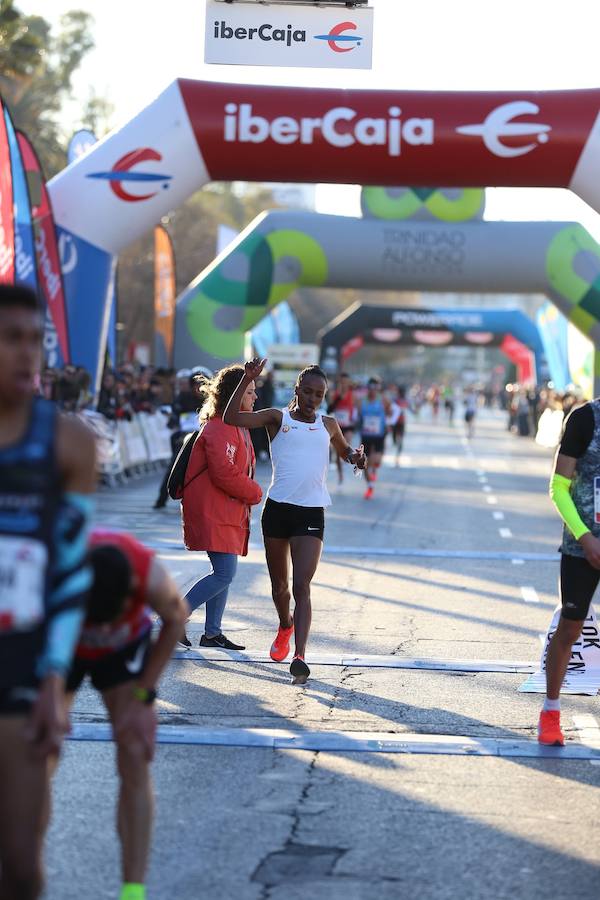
x,y
220,642
184,642
299,670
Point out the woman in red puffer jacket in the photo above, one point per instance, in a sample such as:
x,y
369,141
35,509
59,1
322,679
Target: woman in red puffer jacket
x,y
219,492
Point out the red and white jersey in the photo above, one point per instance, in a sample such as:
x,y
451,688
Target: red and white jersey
x,y
344,410
99,641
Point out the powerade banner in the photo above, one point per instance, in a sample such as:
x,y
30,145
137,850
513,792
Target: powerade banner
x,y
25,266
48,260
164,297
7,225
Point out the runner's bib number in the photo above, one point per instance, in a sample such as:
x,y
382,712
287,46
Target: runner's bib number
x,y
343,417
372,425
597,500
23,564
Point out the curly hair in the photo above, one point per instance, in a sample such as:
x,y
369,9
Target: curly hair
x,y
218,390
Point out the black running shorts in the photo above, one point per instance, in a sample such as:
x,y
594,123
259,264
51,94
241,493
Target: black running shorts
x,y
286,520
123,665
577,584
19,655
372,444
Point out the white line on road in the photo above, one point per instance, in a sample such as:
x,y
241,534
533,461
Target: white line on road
x,y
492,500
498,515
518,562
588,730
408,552
486,489
366,661
529,594
345,741
505,532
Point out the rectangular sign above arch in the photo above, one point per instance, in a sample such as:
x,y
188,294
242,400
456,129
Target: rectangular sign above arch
x,y
289,34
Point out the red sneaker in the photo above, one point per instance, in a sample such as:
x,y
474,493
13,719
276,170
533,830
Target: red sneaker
x,y
368,493
549,728
281,645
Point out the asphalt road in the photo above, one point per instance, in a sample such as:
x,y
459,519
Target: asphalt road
x,y
453,561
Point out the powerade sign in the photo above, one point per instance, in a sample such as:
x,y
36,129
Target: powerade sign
x,y
256,34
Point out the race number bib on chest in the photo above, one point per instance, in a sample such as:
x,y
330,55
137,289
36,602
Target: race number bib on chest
x,y
23,564
372,425
343,417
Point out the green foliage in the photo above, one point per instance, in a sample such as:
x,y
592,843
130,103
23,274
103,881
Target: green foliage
x,y
36,71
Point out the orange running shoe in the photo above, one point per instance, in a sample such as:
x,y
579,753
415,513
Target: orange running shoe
x,y
549,728
368,493
281,645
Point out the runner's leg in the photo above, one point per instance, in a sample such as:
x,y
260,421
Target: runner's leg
x,y
306,553
277,551
136,798
24,813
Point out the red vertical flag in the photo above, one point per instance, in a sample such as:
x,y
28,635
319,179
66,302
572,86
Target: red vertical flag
x,y
7,221
46,245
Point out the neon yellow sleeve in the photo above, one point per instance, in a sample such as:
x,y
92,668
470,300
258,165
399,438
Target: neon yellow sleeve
x,y
560,494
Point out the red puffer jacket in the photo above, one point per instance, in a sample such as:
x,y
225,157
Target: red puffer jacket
x,y
216,505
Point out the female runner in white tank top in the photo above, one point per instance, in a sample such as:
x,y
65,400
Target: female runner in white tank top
x,y
293,515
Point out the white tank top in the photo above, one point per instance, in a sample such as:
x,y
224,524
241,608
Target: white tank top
x,y
300,456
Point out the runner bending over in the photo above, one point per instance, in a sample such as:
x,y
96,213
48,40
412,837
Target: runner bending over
x,y
115,650
47,474
293,518
575,491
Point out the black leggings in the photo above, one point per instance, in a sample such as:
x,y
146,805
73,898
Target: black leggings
x,y
577,584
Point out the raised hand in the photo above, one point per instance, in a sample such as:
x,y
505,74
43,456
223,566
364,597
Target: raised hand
x,y
254,368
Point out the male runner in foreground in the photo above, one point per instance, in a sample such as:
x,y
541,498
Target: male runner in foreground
x,y
47,473
115,649
575,491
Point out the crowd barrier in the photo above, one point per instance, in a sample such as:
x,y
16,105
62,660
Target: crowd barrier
x,y
125,449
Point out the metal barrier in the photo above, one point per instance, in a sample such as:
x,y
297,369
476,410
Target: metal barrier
x,y
129,448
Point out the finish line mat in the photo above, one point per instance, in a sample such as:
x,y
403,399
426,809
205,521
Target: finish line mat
x,y
347,741
382,662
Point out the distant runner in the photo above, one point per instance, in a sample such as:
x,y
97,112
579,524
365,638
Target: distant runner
x,y
342,406
373,427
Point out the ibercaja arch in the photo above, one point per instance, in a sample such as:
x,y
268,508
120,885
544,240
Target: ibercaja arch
x,y
195,132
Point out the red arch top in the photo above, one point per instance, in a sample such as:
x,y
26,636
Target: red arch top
x,y
514,138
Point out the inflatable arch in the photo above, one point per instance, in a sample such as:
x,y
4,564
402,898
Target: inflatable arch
x,y
195,132
280,251
508,329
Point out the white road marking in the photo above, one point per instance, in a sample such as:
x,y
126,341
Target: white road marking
x,y
492,500
518,562
205,655
505,532
498,515
345,741
529,594
487,489
588,729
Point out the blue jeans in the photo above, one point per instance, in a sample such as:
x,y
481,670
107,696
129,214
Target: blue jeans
x,y
213,590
